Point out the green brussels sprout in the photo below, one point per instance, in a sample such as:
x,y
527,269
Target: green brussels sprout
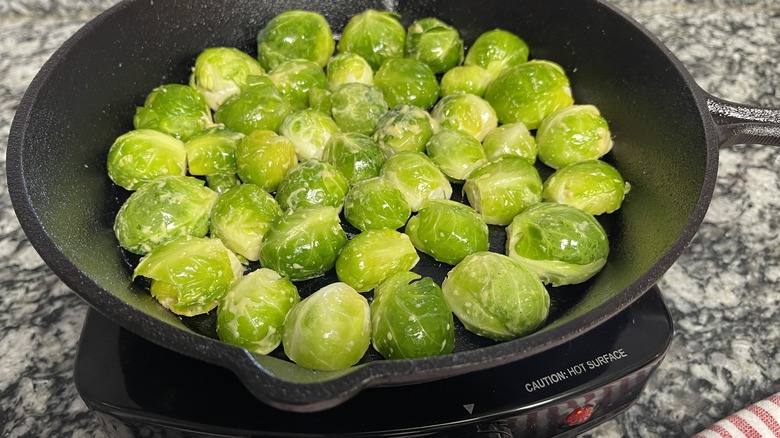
x,y
411,319
456,153
161,210
448,231
264,158
312,182
190,275
561,244
309,130
435,43
295,77
496,51
404,128
373,256
502,188
355,155
295,34
374,35
174,109
471,79
259,106
357,107
221,72
510,139
465,112
346,68
376,203
241,217
407,81
303,243
319,99
252,312
141,155
213,150
329,330
496,297
529,92
592,186
221,183
572,134
417,177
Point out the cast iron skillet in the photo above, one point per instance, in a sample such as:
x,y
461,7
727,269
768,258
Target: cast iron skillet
x,y
667,133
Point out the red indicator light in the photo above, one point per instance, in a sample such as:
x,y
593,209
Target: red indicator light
x,y
579,415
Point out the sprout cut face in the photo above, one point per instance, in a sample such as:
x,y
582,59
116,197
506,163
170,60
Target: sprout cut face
x,y
456,153
313,182
309,130
221,72
435,43
264,158
141,155
355,155
374,35
174,109
465,112
295,34
416,177
592,186
407,81
357,107
404,128
572,134
374,204
373,256
213,151
259,106
496,51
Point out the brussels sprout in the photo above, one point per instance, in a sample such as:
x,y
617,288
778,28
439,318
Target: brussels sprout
x,y
497,50
357,107
213,150
241,217
374,35
221,183
496,297
174,109
355,155
502,188
417,177
456,153
411,319
435,43
319,100
161,210
407,81
448,231
572,134
465,112
295,77
510,139
190,275
258,106
303,243
313,182
295,34
264,158
471,79
592,186
309,130
221,72
561,244
376,203
373,256
329,330
141,155
529,92
252,312
404,128
346,68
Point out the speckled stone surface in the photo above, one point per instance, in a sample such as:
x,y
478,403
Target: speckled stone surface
x,y
724,292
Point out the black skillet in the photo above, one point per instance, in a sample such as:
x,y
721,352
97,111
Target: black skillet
x,y
667,133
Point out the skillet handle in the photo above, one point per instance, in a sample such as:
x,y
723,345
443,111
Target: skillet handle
x,y
744,124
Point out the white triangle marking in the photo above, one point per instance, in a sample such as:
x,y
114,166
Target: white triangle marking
x,y
469,407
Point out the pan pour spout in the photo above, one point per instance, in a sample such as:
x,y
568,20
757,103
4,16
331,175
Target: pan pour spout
x,y
744,124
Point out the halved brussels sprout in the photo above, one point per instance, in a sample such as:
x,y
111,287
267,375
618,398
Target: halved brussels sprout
x,y
142,155
411,319
346,68
221,72
592,186
295,34
496,51
374,35
190,275
374,255
213,150
295,78
561,244
303,243
309,130
329,330
264,158
529,92
448,231
510,139
502,188
465,112
471,79
258,106
312,182
376,203
435,43
241,217
404,128
163,209
456,153
572,134
174,109
221,183
355,155
357,107
417,177
252,312
407,81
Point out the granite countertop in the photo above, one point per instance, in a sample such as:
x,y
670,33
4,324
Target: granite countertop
x,y
723,291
